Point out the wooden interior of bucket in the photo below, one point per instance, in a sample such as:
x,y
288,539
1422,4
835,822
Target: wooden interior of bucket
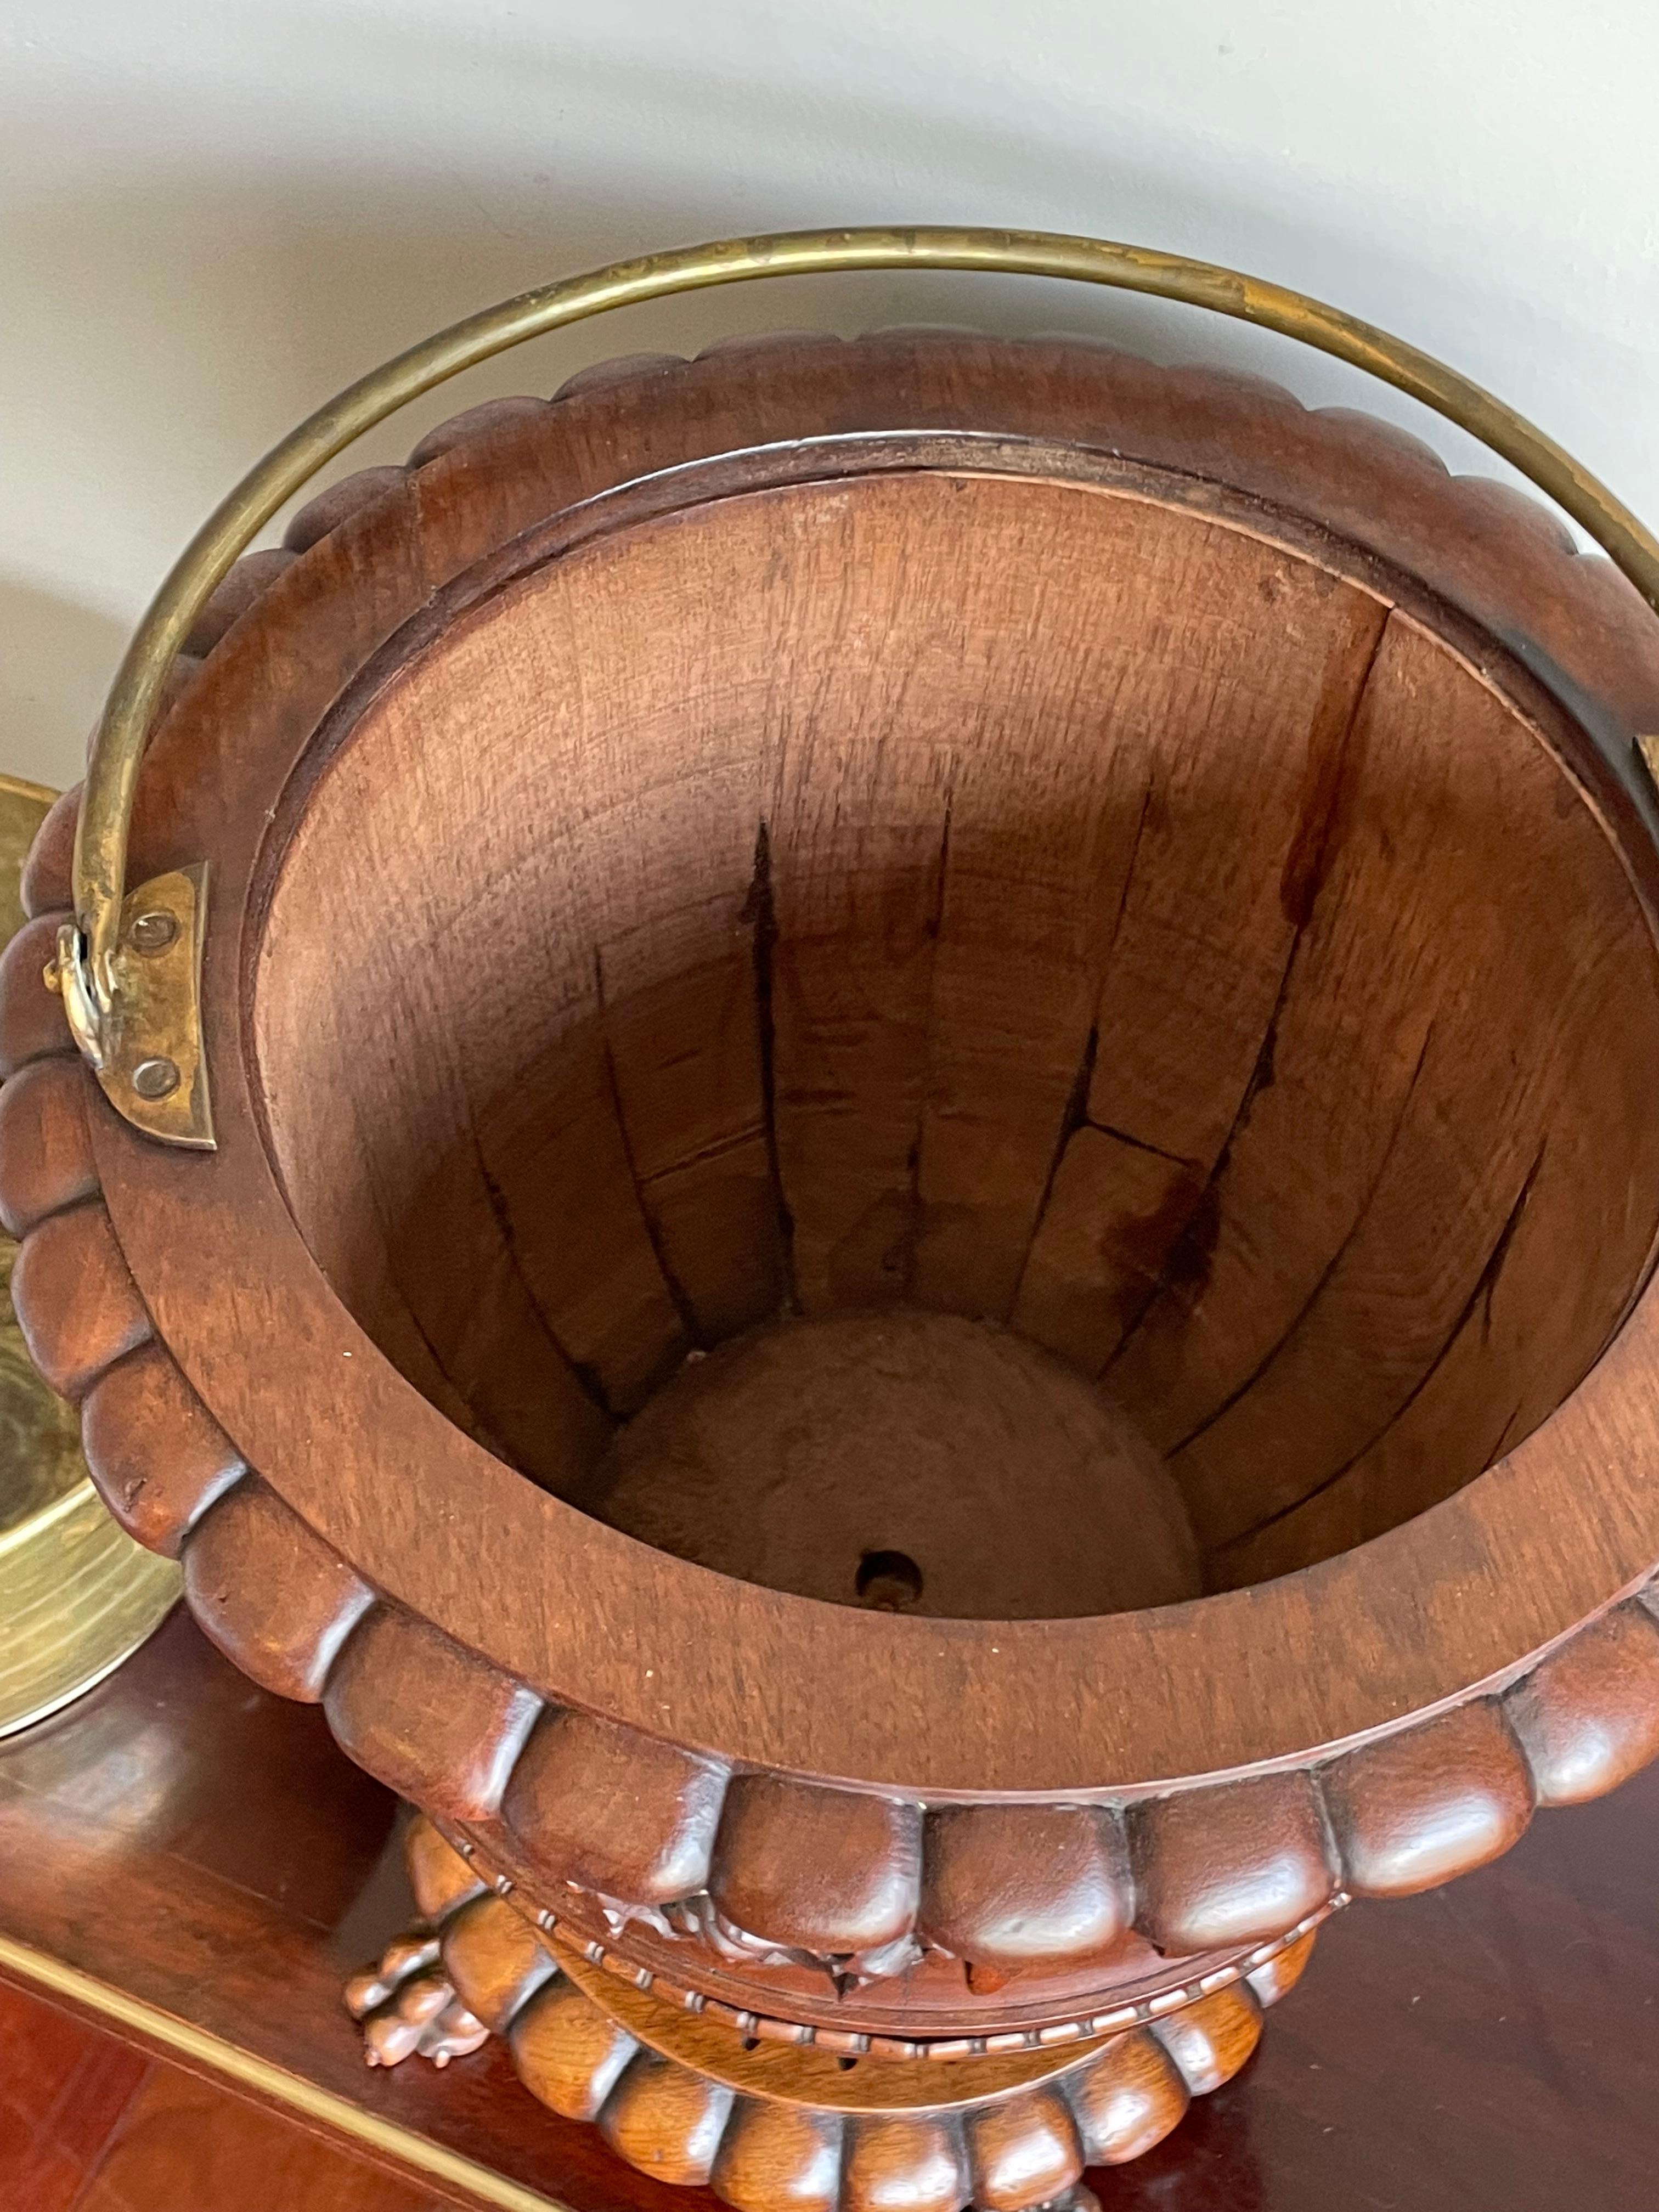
x,y
977,1044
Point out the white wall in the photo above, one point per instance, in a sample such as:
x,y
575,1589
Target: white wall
x,y
215,214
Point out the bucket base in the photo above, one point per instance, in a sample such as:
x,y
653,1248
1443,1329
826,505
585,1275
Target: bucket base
x,y
911,1461
688,2100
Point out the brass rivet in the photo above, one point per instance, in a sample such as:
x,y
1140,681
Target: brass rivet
x,y
153,932
155,1079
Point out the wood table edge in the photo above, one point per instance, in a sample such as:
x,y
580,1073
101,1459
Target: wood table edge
x,y
323,2110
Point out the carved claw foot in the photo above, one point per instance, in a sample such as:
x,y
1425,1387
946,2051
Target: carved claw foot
x,y
408,2008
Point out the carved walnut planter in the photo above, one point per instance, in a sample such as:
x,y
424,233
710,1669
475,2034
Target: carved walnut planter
x,y
922,1288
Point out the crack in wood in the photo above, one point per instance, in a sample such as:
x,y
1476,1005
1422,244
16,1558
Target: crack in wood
x,y
503,1218
760,915
1325,1273
1479,1297
1301,889
671,1283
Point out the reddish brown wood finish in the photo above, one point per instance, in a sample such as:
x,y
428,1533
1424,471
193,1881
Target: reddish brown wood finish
x,y
32,1024
1588,1717
184,2148
538,417
865,1851
1230,1866
631,1819
1484,2048
269,1594
80,1308
1013,1885
1415,1809
674,2086
451,1738
158,1456
66,2089
1318,1141
43,1135
198,1844
91,2125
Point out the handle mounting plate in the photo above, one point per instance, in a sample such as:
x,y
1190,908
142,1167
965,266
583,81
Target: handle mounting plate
x,y
146,1050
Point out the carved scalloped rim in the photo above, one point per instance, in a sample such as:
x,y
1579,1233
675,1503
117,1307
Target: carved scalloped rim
x,y
1523,1683
49,882
1193,2047
1254,1966
1475,502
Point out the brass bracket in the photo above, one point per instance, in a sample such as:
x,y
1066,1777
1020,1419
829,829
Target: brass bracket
x,y
145,1044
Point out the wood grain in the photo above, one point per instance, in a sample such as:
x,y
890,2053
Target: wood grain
x,y
891,2163
449,1734
185,2146
665,2120
1010,1885
1588,1717
159,1457
1232,1865
1416,1809
522,804
868,1852
65,2090
1485,2049
1229,728
1018,2148
492,1955
47,1155
271,1594
1367,1217
78,1306
1212,2040
200,1844
95,2126
1196,1368
1130,2104
772,2158
568,2053
630,1819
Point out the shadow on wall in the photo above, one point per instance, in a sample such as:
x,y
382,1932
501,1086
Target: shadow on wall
x,y
240,301
174,306
166,328
56,662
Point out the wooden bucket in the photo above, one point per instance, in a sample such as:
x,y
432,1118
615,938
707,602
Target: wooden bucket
x,y
920,1284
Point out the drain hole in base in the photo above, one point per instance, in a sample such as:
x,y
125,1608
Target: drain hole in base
x,y
888,1581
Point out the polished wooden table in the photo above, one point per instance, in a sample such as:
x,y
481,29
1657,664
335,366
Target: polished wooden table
x,y
192,1864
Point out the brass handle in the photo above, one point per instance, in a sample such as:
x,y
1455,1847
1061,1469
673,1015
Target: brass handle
x,y
106,996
